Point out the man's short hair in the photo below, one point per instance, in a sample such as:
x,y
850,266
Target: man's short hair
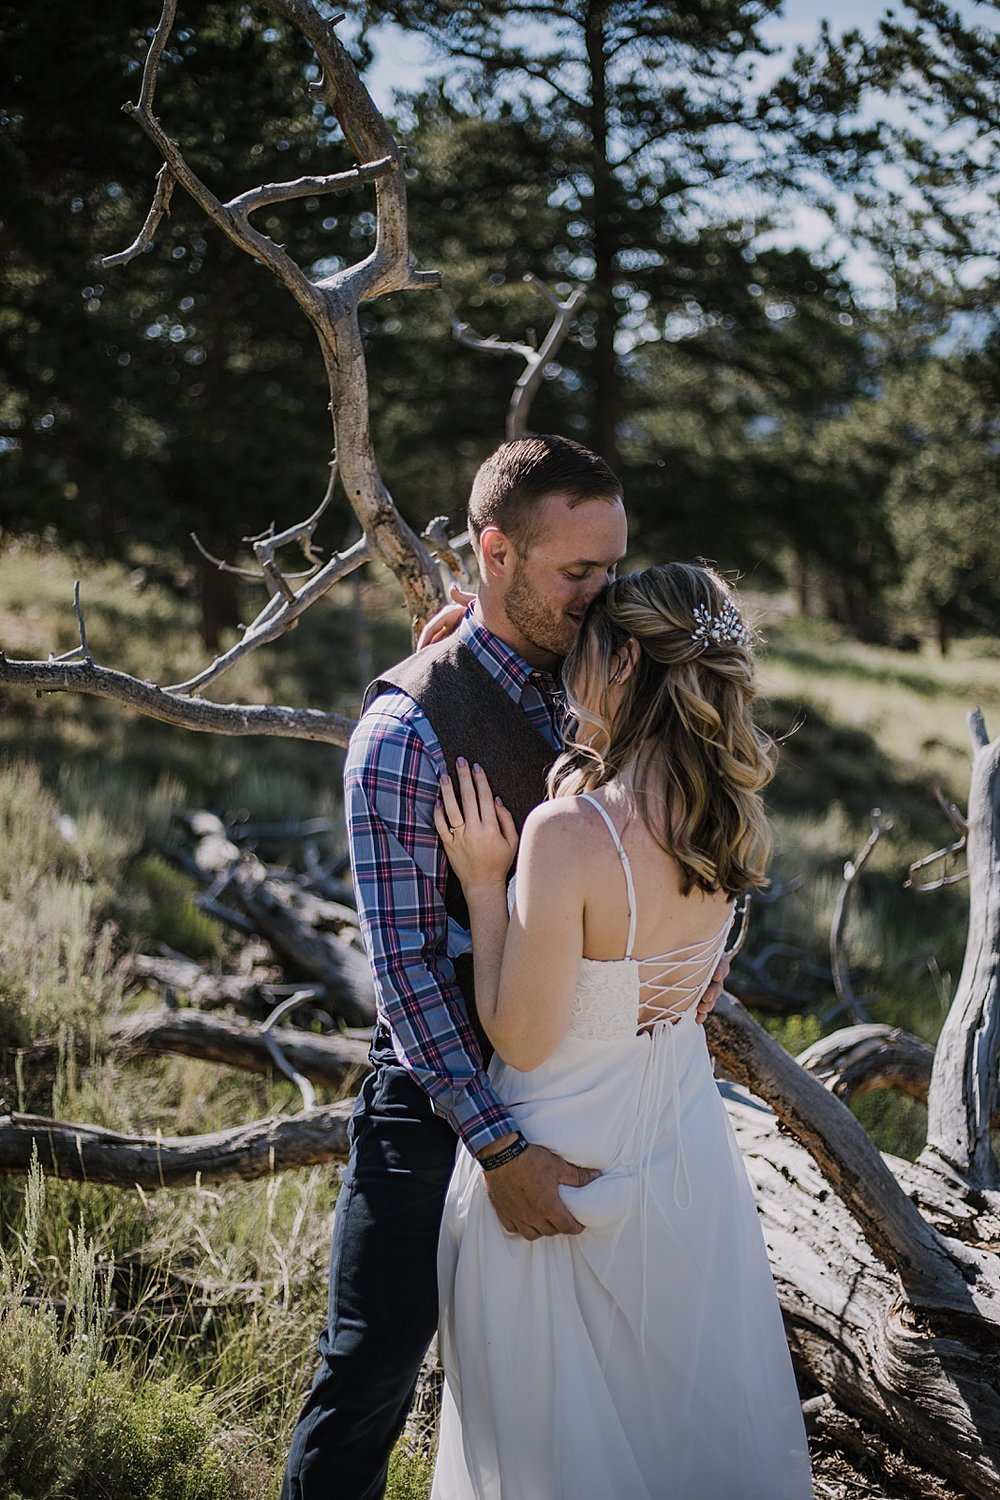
x,y
509,485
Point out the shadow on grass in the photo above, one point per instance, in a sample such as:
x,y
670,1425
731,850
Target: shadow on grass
x,y
815,662
822,762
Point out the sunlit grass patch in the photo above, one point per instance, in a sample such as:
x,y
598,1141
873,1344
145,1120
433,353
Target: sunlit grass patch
x,y
913,706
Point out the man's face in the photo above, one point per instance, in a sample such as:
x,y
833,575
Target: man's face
x,y
574,556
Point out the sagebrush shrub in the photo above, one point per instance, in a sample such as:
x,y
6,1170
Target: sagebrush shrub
x,y
73,1427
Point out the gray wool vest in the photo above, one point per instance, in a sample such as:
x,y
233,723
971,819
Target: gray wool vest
x,y
471,715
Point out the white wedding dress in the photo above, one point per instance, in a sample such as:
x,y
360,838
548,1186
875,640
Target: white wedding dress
x,y
645,1358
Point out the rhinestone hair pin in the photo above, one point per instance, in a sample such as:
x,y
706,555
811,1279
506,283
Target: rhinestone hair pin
x,y
725,626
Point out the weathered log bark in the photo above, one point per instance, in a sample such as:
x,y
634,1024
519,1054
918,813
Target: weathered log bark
x,y
928,1376
333,1061
88,1153
836,1432
331,958
858,1058
964,1085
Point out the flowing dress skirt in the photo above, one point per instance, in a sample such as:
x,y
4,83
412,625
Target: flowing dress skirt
x,y
644,1359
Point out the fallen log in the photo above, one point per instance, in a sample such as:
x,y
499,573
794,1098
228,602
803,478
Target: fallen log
x,y
244,992
334,1061
914,1370
310,933
331,958
89,1153
855,1059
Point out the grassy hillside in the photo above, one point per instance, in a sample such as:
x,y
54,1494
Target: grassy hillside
x,y
227,1286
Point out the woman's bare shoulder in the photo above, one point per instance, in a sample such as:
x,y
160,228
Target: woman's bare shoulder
x,y
561,822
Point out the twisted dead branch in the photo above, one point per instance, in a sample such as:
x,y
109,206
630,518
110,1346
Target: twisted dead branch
x,y
855,1007
331,305
535,359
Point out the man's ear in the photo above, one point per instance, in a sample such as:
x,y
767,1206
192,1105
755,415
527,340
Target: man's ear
x,y
496,552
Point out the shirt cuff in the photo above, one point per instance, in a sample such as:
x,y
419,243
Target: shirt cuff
x,y
482,1120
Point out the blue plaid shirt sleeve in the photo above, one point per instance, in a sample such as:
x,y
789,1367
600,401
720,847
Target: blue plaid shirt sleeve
x,y
390,788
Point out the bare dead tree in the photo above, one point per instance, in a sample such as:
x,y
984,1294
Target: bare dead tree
x,y
89,1153
331,304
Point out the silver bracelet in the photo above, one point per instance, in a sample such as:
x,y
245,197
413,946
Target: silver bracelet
x,y
509,1153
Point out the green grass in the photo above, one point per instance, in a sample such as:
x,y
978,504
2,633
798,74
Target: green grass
x,y
902,716
216,1295
85,1421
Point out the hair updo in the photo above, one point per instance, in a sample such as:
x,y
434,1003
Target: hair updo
x,y
684,720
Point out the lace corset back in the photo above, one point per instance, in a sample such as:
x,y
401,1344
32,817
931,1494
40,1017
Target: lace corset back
x,y
620,996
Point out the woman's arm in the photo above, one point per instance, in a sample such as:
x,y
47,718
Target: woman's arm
x,y
526,971
480,840
544,947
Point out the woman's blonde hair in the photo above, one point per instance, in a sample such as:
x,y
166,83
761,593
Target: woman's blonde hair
x,y
684,720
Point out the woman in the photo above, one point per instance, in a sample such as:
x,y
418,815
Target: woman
x,y
643,1358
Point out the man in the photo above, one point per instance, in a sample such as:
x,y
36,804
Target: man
x,y
549,528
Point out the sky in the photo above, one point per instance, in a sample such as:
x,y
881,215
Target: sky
x,y
404,60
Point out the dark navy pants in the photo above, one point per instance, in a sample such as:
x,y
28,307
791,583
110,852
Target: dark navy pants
x,y
383,1289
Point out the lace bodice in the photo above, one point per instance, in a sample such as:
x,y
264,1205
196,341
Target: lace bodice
x,y
619,996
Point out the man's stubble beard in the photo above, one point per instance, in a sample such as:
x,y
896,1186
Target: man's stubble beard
x,y
544,627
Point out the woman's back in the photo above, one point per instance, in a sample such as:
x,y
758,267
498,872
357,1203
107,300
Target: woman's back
x,y
616,1357
634,908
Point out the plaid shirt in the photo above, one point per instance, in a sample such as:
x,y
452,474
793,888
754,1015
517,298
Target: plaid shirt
x,y
394,763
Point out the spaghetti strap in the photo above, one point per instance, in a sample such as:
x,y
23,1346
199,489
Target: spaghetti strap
x,y
629,885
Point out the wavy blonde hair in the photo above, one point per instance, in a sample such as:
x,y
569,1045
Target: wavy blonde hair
x,y
684,720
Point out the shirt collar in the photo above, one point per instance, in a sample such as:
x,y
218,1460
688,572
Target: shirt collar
x,y
502,662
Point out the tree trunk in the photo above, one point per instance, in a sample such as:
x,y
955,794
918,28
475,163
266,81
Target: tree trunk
x,y
963,1094
219,602
606,399
803,586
